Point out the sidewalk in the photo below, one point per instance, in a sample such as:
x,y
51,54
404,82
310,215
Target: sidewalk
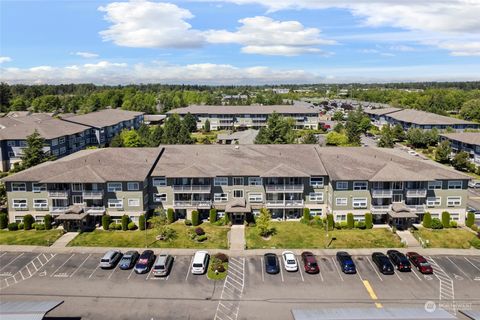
x,y
236,238
408,238
64,240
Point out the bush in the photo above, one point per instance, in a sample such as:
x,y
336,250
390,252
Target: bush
x,y
350,221
201,238
170,215
195,218
368,220
317,221
28,220
20,226
222,257
226,217
115,226
141,222
199,231
427,220
48,220
361,225
39,226
3,220
13,226
106,220
188,222
213,215
125,221
446,219
470,219
337,226
132,226
437,224
306,215
453,224
474,227
344,225
330,222
475,242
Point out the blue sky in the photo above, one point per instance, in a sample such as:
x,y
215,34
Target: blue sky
x,y
238,41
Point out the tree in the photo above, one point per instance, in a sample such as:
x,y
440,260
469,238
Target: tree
x,y
279,130
471,110
213,215
131,139
33,153
442,152
386,138
160,223
47,220
368,220
470,219
125,221
446,219
350,221
144,134
5,96
461,161
195,218
353,127
116,142
190,122
365,124
170,215
28,220
3,220
3,194
427,220
106,220
336,139
206,126
398,133
309,138
339,127
263,222
184,135
306,215
156,136
171,129
141,222
337,116
330,222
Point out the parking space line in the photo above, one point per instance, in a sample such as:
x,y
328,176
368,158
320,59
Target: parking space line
x,y
21,274
28,269
1,255
131,272
415,273
21,254
91,274
81,264
263,272
281,267
301,273
111,273
397,274
336,268
320,273
372,294
472,264
359,275
62,265
188,269
374,269
33,263
466,275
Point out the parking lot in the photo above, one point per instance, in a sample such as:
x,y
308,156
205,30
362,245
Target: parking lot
x,y
247,293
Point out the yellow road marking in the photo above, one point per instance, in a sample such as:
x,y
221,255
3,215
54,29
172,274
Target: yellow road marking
x,y
372,293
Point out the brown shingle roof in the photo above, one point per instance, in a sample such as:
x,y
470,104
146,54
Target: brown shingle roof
x,y
381,111
103,118
231,110
465,137
425,118
48,129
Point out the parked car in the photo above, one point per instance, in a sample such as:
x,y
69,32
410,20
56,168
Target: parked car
x,y
128,260
271,263
474,184
399,260
163,265
420,263
289,261
110,259
200,262
310,262
383,263
144,262
346,262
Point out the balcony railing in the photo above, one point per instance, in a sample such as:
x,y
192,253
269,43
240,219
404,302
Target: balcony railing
x,y
284,203
416,193
92,194
94,210
380,209
284,188
59,194
193,204
382,193
192,188
416,208
58,209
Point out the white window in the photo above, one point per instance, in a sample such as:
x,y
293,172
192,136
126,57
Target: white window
x,y
61,140
432,185
316,182
54,142
397,185
340,217
220,197
238,193
238,181
316,212
39,219
114,186
134,202
342,185
63,150
316,196
77,187
455,216
11,143
159,182
255,197
115,203
38,187
341,201
254,181
454,201
19,186
433,201
77,199
220,181
160,197
40,203
454,184
19,203
359,203
360,185
133,186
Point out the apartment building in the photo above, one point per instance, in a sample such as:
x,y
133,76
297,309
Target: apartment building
x,y
464,141
411,118
239,181
254,117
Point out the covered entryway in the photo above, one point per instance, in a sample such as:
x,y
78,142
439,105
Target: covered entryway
x,y
237,209
401,217
75,219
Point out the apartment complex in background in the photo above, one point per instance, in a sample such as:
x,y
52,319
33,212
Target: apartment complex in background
x,y
63,136
239,181
252,117
464,141
411,118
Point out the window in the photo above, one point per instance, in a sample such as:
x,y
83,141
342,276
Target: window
x,y
397,198
19,203
134,202
77,187
454,201
238,181
159,182
454,184
255,197
341,201
342,185
316,212
11,154
19,186
238,193
316,196
220,181
54,142
55,152
63,150
38,187
160,197
220,197
77,199
397,185
316,182
359,203
40,203
61,140
254,181
115,203
11,143
433,201
340,217
133,186
114,186
360,185
432,185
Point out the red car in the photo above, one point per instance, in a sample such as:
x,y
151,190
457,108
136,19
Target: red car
x,y
310,262
420,263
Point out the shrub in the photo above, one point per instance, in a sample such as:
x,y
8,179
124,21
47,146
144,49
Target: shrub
x,y
213,215
446,219
34,225
306,215
437,224
115,226
141,222
39,226
475,242
470,219
106,220
3,220
13,226
199,231
337,226
316,221
125,221
201,238
20,226
170,215
361,225
132,226
28,220
226,217
188,222
222,257
427,220
453,224
330,222
344,225
195,218
350,221
368,220
48,220
474,227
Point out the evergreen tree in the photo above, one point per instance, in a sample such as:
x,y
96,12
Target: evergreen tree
x,y
116,142
206,126
190,122
131,139
309,138
386,137
33,153
172,127
144,133
461,161
442,152
156,136
279,130
398,132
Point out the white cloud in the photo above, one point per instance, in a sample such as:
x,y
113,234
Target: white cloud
x,y
458,48
402,48
86,55
4,59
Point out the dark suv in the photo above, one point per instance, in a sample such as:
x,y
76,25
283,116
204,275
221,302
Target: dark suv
x,y
399,260
346,262
310,262
271,263
383,263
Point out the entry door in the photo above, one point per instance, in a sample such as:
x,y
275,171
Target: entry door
x,y
238,218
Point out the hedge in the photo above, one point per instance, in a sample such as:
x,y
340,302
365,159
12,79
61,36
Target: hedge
x,y
28,220
170,215
141,222
195,218
125,221
39,226
437,224
106,220
446,219
213,215
306,214
470,219
350,221
132,226
330,222
368,220
13,226
3,220
48,220
427,220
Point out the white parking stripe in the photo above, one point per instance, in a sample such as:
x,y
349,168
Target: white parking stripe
x,y
336,268
62,265
359,275
281,271
131,272
21,254
263,271
472,264
188,269
415,273
81,264
91,274
374,268
110,275
320,273
300,270
397,274
1,255
466,275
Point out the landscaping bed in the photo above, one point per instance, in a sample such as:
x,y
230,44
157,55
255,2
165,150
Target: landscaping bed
x,y
30,237
218,267
445,238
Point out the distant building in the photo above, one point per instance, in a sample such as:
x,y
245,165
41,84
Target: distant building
x,y
239,137
281,90
465,141
154,119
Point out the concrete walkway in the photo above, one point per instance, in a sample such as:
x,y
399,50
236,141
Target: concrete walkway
x,y
64,240
408,238
236,237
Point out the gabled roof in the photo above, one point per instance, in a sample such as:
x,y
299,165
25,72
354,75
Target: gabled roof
x,y
425,118
193,171
252,109
283,170
48,129
381,111
103,118
472,138
393,171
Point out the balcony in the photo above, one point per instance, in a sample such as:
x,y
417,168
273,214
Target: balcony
x,y
58,194
58,210
284,203
380,209
284,188
192,204
92,195
94,210
382,193
417,208
192,188
416,193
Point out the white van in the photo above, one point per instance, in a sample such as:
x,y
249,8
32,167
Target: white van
x,y
200,262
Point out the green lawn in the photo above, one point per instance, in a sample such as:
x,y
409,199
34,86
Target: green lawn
x,y
30,237
217,238
445,238
295,235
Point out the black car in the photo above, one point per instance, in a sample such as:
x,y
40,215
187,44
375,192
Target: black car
x,y
272,265
145,262
128,260
346,262
399,260
383,263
